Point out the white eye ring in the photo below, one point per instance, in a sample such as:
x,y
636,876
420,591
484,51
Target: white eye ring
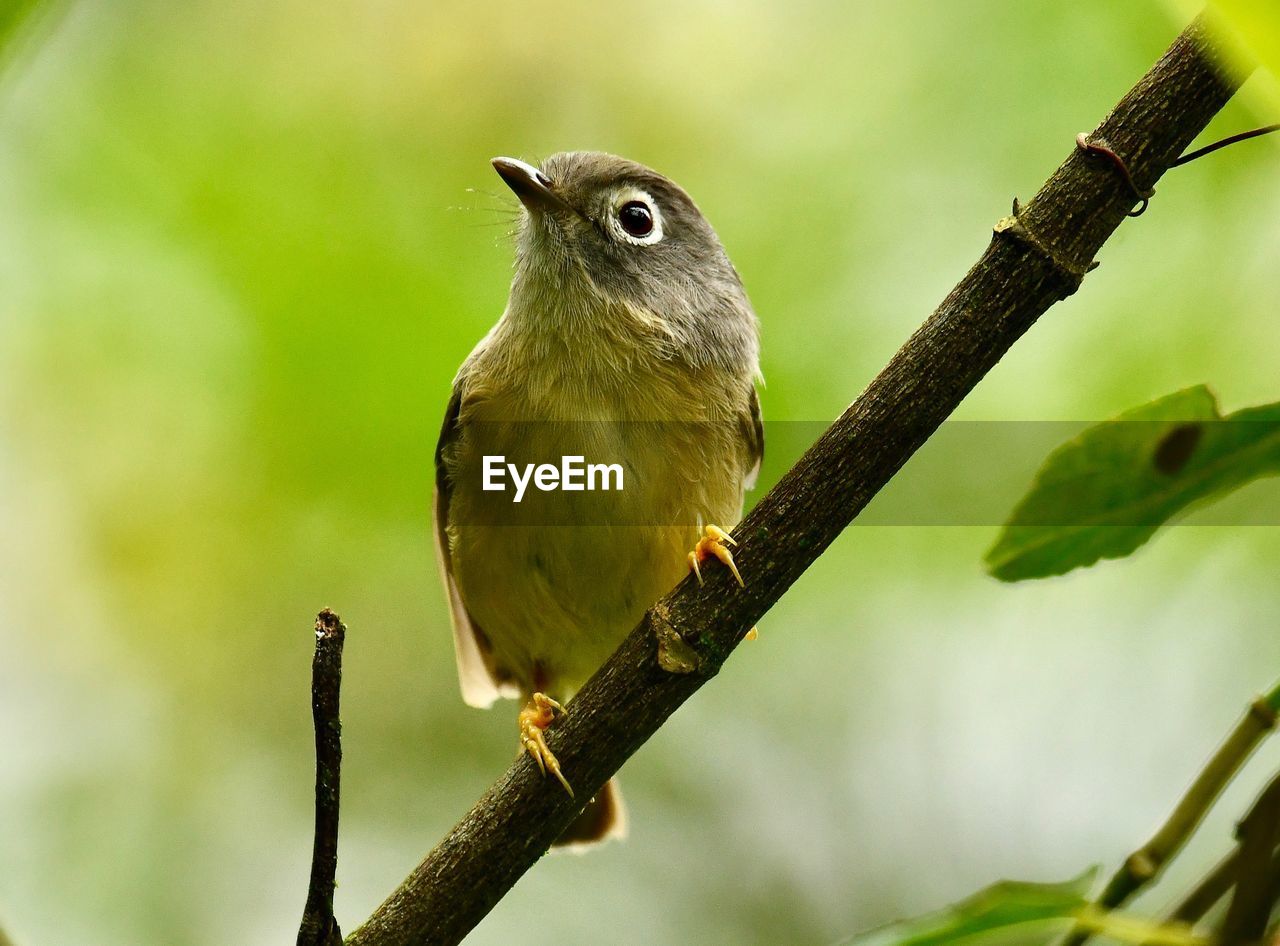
x,y
634,195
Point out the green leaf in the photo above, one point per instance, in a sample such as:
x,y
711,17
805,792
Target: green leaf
x,y
1008,911
1106,492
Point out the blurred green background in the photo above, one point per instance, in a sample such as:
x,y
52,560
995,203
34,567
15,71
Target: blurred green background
x,y
243,247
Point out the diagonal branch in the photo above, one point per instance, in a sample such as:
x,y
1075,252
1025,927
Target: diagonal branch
x,y
1210,889
1215,885
1038,256
1255,893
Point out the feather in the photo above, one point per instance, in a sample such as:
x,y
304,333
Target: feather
x,y
480,685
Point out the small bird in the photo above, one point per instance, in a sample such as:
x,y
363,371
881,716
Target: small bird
x,y
627,339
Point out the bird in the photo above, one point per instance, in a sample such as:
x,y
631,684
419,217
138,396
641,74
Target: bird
x,y
627,338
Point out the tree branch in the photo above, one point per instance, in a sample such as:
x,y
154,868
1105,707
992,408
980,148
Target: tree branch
x,y
1038,256
319,928
1250,906
1215,885
1204,896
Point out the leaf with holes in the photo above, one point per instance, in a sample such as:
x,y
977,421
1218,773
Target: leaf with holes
x,y
1106,492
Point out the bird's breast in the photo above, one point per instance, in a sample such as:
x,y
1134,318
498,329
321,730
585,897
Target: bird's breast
x,y
556,579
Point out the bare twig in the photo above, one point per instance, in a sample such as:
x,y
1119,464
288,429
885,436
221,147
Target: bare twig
x,y
1225,142
1204,896
1039,255
319,928
1250,907
1215,885
1142,866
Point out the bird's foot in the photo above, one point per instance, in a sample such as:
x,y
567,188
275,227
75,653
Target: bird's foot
x,y
715,541
536,716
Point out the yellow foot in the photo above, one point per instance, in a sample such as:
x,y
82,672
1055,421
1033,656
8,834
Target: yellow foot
x,y
751,634
713,543
534,719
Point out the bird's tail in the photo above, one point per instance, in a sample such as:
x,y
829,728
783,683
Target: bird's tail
x,y
604,819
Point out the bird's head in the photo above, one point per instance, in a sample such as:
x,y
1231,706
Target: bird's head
x,y
601,234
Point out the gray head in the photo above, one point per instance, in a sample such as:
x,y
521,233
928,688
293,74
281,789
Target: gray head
x,y
603,237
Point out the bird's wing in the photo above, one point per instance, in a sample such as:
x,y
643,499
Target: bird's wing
x,y
753,436
480,685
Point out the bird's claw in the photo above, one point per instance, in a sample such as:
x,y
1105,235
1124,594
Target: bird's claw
x,y
715,541
534,719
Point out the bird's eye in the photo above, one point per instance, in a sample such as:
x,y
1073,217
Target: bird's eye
x,y
636,218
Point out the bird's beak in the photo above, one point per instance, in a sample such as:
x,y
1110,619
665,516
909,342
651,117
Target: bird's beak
x,y
535,190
